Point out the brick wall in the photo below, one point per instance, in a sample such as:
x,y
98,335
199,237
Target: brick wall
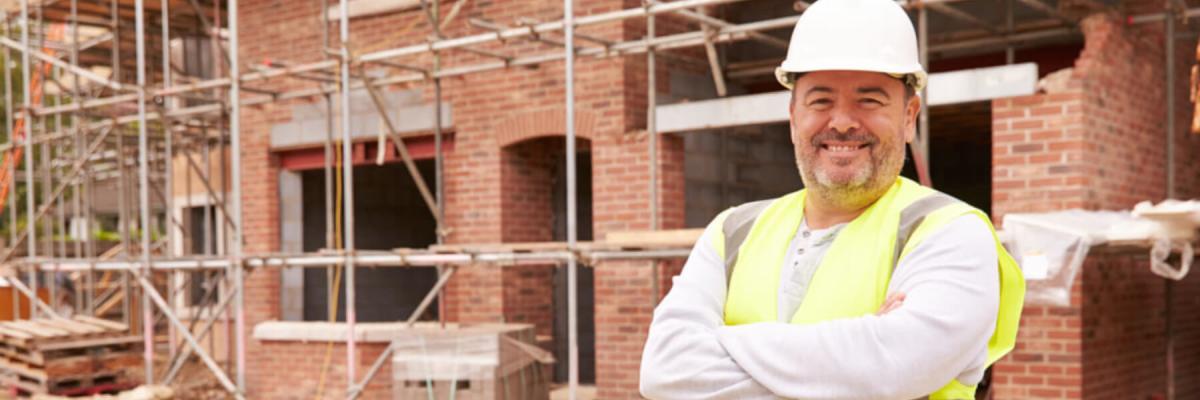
x,y
528,172
479,206
624,308
291,370
1098,143
1037,153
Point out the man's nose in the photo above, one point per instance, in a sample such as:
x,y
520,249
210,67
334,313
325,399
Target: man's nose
x,y
843,120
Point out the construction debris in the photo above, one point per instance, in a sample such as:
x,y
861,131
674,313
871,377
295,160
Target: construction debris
x,y
61,356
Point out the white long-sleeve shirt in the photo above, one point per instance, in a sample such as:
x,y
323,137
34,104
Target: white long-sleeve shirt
x,y
940,333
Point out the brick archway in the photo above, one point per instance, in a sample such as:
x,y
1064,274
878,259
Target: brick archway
x,y
543,123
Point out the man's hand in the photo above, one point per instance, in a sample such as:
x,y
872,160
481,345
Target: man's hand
x,y
893,302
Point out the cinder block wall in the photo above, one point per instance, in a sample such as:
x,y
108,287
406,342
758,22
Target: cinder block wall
x,y
1099,144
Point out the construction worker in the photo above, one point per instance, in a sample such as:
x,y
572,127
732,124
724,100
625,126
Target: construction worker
x,y
864,285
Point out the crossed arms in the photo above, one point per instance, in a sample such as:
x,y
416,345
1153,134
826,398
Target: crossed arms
x,y
951,287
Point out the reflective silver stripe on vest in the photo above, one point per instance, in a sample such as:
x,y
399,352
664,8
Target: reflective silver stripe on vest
x,y
739,222
736,227
912,217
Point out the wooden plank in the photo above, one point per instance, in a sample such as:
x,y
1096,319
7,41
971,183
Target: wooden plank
x,y
37,333
65,324
90,343
14,334
644,239
12,381
22,369
22,355
74,326
91,364
112,326
47,331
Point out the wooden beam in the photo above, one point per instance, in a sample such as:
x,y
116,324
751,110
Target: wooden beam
x,y
659,238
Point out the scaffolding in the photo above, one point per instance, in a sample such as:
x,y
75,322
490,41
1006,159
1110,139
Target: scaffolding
x,y
101,126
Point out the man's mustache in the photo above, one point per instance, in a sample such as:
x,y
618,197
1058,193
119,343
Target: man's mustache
x,y
852,136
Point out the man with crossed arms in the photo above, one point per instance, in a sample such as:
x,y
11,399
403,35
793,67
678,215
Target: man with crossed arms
x,y
865,285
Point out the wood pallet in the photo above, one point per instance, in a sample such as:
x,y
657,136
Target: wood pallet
x,y
67,356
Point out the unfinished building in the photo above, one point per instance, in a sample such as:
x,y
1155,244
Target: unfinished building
x,y
287,188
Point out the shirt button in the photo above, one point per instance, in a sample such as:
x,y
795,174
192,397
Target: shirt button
x,y
800,251
805,234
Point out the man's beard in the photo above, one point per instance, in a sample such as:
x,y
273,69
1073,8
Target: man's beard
x,y
866,184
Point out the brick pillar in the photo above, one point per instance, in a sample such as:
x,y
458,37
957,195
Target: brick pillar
x,y
624,297
260,219
1037,156
472,178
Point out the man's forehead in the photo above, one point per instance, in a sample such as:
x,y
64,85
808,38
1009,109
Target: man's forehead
x,y
849,80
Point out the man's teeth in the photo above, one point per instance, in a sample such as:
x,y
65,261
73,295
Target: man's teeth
x,y
842,148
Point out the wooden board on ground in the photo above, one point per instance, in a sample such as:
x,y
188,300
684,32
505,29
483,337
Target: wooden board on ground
x,y
63,356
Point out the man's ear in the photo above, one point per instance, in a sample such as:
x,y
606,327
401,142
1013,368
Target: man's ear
x,y
912,111
792,119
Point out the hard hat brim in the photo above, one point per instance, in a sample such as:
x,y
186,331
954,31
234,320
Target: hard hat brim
x,y
916,79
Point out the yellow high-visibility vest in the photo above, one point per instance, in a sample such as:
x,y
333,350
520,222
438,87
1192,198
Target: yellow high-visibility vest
x,y
850,280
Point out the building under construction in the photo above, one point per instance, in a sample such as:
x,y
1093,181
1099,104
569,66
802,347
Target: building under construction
x,y
330,199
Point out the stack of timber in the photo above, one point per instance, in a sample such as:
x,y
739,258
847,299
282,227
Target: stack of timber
x,y
82,355
483,362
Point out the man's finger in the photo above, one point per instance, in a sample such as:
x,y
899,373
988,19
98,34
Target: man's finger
x,y
892,302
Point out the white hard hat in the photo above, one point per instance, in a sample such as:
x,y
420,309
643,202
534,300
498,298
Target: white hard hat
x,y
854,35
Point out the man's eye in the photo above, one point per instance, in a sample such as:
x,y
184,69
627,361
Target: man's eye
x,y
820,102
871,102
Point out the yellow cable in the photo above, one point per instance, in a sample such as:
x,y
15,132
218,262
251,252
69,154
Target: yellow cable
x,y
337,274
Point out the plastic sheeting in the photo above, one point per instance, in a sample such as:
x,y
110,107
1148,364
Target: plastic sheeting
x,y
1051,247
